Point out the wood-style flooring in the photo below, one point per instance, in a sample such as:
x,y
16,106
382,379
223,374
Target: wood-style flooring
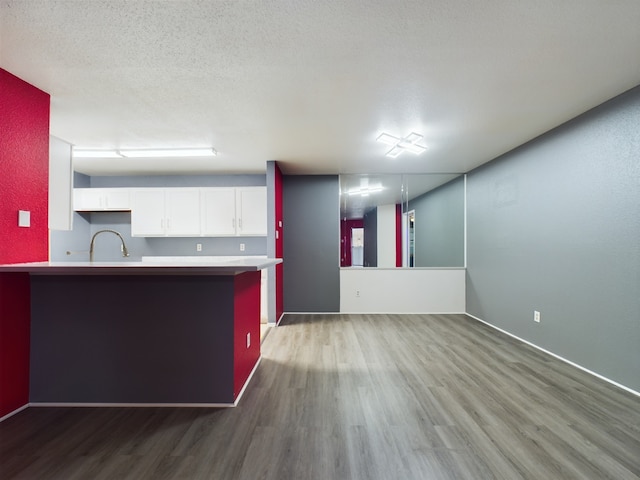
x,y
357,397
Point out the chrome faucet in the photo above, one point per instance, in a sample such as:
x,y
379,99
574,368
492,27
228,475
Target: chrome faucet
x,y
125,252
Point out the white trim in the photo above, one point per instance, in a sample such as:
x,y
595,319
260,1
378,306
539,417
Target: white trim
x,y
309,313
403,313
608,380
142,405
11,414
464,194
255,367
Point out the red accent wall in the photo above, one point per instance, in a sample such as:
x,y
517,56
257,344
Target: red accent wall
x,y
24,183
398,235
246,319
345,239
279,243
24,169
15,322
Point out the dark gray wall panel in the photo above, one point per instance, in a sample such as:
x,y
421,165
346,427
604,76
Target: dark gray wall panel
x,y
554,226
121,339
439,226
311,243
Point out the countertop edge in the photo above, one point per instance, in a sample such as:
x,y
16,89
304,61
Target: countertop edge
x,y
137,268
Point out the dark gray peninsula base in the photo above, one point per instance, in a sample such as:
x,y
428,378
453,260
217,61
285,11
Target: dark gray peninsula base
x,y
143,336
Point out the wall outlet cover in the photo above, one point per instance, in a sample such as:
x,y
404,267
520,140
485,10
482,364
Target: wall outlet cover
x,y
24,218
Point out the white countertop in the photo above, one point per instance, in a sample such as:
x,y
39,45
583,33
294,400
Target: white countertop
x,y
149,266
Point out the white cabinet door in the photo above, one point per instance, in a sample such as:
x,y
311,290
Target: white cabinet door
x,y
101,199
218,212
148,213
170,212
117,199
182,211
251,210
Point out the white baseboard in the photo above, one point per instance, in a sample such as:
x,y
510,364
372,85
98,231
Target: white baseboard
x,y
142,405
586,370
11,414
244,387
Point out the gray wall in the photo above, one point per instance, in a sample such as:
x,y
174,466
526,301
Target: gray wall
x,y
107,246
311,243
439,226
554,226
370,222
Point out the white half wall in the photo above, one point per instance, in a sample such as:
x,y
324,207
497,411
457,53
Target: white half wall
x,y
402,290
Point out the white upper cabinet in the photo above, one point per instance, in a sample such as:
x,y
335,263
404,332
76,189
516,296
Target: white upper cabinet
x,y
182,208
251,210
183,212
101,199
159,212
219,212
240,211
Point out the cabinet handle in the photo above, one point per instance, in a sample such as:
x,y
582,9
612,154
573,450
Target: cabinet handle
x,y
240,223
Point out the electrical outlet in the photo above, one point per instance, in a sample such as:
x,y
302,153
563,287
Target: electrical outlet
x,y
248,339
536,316
357,293
242,247
198,247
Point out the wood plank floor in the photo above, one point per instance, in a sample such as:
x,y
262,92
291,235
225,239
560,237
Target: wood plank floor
x,y
357,397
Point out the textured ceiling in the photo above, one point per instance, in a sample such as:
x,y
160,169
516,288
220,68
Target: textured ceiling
x,y
311,83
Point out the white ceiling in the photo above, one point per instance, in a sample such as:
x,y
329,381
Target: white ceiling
x,y
311,83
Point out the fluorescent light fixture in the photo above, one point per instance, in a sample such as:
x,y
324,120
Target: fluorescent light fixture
x,y
96,154
365,191
169,152
400,145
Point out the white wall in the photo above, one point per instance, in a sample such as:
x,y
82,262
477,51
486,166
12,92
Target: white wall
x,y
60,184
386,236
402,290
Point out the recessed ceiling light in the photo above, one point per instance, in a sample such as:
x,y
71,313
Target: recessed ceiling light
x,y
400,145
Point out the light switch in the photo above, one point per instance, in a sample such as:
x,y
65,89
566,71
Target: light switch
x,y
24,218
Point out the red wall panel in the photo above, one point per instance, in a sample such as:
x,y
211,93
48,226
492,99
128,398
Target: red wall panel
x,y
246,319
24,169
24,179
15,316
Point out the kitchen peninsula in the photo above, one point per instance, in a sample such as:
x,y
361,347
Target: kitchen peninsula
x,y
148,332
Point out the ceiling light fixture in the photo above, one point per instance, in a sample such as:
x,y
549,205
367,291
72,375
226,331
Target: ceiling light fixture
x,y
96,154
147,153
169,152
400,145
364,191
